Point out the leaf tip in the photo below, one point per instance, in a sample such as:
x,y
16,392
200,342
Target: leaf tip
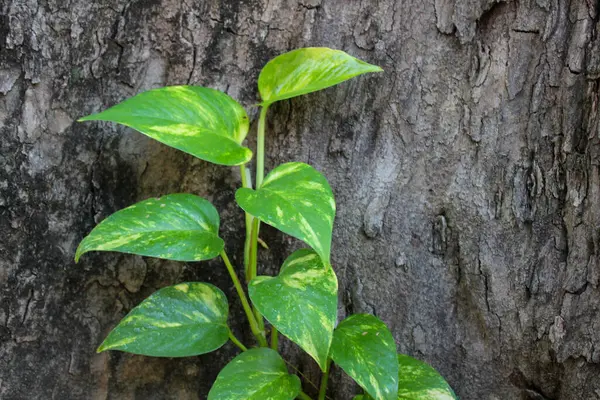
x,y
78,253
87,118
248,156
373,68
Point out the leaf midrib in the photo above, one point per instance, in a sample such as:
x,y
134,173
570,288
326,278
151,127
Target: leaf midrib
x,y
288,203
184,325
308,89
273,282
201,231
364,378
268,385
201,129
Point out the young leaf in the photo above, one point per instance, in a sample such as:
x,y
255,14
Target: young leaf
x,y
296,199
419,381
365,349
301,302
180,227
203,122
307,70
256,374
177,321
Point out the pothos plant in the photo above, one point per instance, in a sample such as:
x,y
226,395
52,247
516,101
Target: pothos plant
x,y
301,302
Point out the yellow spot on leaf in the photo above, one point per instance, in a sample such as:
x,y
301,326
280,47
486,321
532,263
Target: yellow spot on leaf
x,y
182,287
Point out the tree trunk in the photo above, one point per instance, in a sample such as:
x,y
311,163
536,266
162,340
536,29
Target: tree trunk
x,y
467,180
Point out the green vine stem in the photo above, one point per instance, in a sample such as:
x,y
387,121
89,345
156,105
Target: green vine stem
x,y
236,341
324,379
260,146
260,174
260,336
252,269
303,396
247,183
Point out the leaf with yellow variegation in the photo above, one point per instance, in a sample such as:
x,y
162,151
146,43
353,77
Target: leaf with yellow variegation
x,y
296,199
203,122
181,227
307,70
187,319
365,349
301,302
256,374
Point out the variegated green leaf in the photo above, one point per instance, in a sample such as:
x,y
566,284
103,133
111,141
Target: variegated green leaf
x,y
177,321
296,199
301,302
256,374
419,381
365,349
307,70
203,122
179,227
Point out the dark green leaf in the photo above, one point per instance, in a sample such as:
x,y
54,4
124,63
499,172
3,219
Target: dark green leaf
x,y
296,199
420,381
179,227
307,70
257,374
365,349
203,122
177,321
301,302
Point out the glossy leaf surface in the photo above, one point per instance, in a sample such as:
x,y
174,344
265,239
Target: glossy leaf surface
x,y
419,381
301,302
177,321
203,122
296,199
180,227
256,374
365,349
307,70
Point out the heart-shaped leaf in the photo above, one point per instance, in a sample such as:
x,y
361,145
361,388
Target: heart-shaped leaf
x,y
365,349
419,381
180,227
307,70
256,374
296,199
301,302
203,122
177,321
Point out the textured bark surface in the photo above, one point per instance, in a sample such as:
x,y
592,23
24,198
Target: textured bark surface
x,y
467,179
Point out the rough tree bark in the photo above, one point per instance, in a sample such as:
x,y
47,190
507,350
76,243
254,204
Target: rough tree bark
x,y
467,179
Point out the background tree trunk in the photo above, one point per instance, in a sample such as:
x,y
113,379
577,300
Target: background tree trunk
x,y
467,180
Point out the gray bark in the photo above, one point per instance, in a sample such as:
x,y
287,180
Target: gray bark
x,y
467,181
